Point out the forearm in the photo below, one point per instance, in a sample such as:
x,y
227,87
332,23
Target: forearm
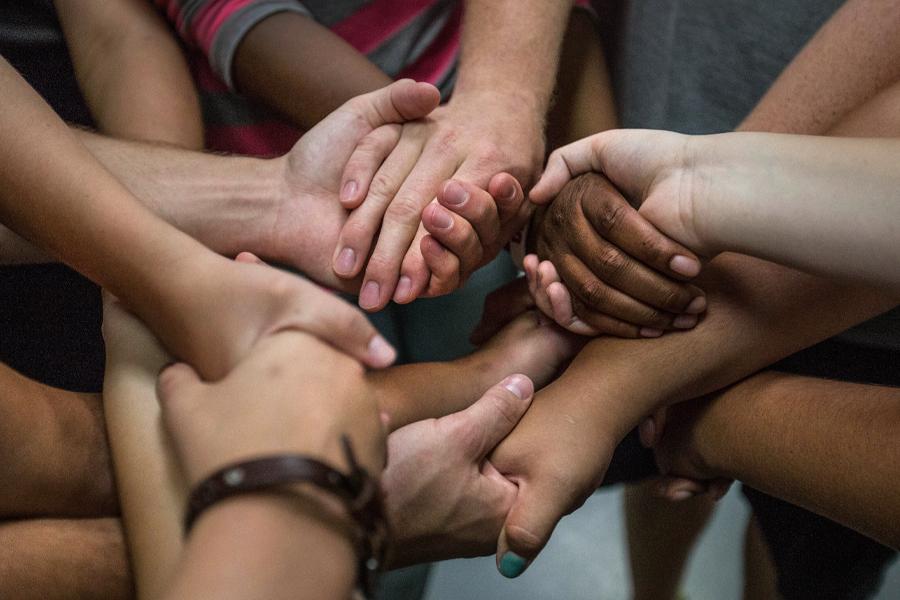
x,y
226,202
14,250
230,554
847,62
302,69
758,313
758,194
512,46
57,196
828,446
131,71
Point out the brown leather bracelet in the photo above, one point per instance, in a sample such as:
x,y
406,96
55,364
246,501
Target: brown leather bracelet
x,y
358,490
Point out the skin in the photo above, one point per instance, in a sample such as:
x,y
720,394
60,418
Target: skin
x,y
775,432
742,338
131,72
753,194
466,499
477,134
59,197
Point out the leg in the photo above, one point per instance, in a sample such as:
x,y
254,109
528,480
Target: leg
x,y
661,535
54,559
60,460
759,571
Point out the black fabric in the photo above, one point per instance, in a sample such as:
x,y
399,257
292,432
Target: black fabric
x,y
50,326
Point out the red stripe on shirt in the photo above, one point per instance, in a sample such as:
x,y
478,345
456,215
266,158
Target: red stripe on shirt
x,y
258,139
440,55
378,21
209,19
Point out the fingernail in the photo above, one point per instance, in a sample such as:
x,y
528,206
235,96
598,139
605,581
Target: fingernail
x,y
647,432
345,262
349,191
683,265
370,295
697,306
650,332
381,351
680,495
512,565
517,385
510,192
404,287
684,321
455,194
441,218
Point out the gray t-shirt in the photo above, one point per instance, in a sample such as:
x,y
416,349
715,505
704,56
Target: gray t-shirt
x,y
700,66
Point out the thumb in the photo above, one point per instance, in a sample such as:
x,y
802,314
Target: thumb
x,y
401,101
496,413
529,524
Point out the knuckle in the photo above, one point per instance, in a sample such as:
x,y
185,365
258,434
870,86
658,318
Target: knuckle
x,y
383,185
611,216
674,299
444,140
594,292
651,249
357,231
404,210
523,540
612,262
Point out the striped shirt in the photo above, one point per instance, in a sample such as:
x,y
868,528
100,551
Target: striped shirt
x,y
411,38
418,39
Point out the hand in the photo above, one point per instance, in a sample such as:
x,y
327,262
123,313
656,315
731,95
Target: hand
x,y
220,309
653,168
292,394
557,455
500,307
308,216
530,344
471,139
443,498
466,227
625,277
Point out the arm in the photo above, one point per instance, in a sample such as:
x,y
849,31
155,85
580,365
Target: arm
x,y
825,205
828,446
292,63
61,199
131,71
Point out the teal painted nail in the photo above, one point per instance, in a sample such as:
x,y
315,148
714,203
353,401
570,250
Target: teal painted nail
x,y
512,565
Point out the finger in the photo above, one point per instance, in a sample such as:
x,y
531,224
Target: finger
x,y
342,325
456,234
564,313
541,299
509,197
248,257
530,265
476,206
358,233
528,526
494,415
651,429
605,299
443,265
617,221
500,307
367,158
563,165
403,100
400,224
414,273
